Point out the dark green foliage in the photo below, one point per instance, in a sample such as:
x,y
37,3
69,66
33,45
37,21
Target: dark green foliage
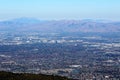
x,y
26,76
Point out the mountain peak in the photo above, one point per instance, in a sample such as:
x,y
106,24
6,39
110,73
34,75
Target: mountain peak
x,y
25,20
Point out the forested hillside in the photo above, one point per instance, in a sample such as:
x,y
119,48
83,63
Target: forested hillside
x,y
27,76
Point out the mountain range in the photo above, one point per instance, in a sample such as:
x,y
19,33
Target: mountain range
x,y
88,25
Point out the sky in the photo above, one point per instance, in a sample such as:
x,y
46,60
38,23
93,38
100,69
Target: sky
x,y
60,9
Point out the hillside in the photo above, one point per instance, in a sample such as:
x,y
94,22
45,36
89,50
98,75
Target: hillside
x,y
28,24
26,76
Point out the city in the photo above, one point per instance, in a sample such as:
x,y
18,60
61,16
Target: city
x,y
75,55
59,39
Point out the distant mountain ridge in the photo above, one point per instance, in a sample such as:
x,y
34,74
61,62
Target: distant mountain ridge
x,y
88,25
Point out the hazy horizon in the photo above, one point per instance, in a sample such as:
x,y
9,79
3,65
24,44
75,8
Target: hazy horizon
x,y
86,19
61,10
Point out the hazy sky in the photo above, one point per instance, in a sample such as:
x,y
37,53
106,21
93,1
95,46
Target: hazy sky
x,y
60,9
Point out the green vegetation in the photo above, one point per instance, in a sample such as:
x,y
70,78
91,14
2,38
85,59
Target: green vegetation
x,y
27,76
